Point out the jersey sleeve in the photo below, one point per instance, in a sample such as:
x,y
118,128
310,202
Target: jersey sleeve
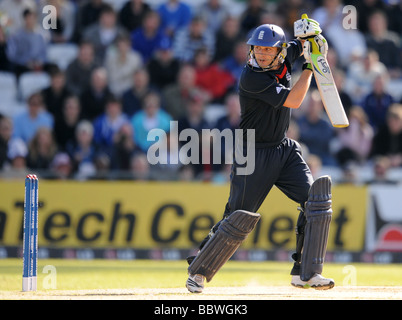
x,y
294,50
261,86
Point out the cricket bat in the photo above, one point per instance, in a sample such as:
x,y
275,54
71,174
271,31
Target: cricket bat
x,y
326,87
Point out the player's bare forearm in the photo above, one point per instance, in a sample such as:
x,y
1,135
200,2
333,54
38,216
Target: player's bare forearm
x,y
299,90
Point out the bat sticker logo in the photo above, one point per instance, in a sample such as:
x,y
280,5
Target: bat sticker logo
x,y
324,66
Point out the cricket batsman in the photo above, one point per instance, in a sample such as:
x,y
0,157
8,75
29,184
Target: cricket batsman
x,y
266,102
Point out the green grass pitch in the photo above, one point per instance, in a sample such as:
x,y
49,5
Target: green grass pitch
x,y
118,274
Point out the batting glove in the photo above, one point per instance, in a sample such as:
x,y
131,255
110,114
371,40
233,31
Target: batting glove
x,y
306,27
316,45
307,51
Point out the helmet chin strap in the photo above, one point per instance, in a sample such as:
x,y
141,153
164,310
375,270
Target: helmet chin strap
x,y
270,66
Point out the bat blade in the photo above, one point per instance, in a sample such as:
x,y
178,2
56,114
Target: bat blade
x,y
326,86
328,91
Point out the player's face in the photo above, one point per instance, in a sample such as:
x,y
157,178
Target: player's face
x,y
265,55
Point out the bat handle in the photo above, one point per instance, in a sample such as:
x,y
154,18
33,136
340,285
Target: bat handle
x,y
314,47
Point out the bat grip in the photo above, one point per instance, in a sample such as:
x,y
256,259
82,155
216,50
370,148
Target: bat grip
x,y
314,46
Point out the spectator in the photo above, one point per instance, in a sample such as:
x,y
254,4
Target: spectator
x,y
163,66
108,124
365,8
151,117
329,14
121,62
124,147
5,64
187,41
315,131
333,60
132,14
194,116
104,33
65,126
27,123
17,153
87,14
169,166
231,119
376,103
175,15
339,78
292,10
346,42
13,11
133,98
186,173
102,166
251,16
227,37
234,63
222,176
394,14
214,12
140,168
61,167
211,77
78,73
41,149
175,96
93,100
83,151
388,140
355,140
146,38
270,17
382,165
349,174
361,75
349,44
385,42
6,130
294,133
56,94
65,21
315,165
26,48
194,119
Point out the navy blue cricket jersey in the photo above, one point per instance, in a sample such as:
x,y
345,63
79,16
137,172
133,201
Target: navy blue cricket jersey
x,y
262,95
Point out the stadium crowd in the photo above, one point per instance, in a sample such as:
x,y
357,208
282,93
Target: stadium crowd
x,y
84,94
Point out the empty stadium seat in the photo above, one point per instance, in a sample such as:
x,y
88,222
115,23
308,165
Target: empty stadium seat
x,y
31,82
394,89
116,4
8,86
11,108
62,54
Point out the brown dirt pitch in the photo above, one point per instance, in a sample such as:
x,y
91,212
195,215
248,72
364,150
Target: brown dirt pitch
x,y
250,292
